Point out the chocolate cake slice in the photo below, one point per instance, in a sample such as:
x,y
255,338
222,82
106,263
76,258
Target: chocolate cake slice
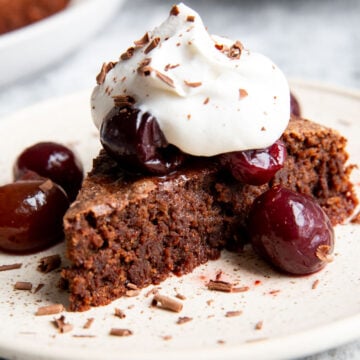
x,y
125,230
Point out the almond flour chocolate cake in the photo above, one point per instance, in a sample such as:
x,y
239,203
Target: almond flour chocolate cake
x,y
187,122
126,229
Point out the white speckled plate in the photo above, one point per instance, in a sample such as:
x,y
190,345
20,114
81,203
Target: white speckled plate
x,y
297,317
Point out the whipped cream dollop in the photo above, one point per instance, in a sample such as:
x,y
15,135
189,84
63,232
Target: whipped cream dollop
x,y
209,94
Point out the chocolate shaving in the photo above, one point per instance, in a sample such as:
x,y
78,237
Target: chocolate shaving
x,y
206,101
315,284
49,309
152,291
119,313
174,11
38,288
240,289
183,319
106,67
323,253
166,79
243,93
193,84
120,332
274,292
123,100
154,43
218,285
128,54
143,41
88,323
62,325
49,263
167,303
190,18
170,67
23,285
233,313
180,296
144,68
10,267
167,337
259,325
235,50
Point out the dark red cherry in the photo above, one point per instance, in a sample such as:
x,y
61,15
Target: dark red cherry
x,y
255,167
54,161
137,142
31,214
294,105
291,231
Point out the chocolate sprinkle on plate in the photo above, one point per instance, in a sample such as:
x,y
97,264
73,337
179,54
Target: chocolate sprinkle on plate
x,y
62,325
23,285
50,309
120,332
49,263
183,319
10,267
167,303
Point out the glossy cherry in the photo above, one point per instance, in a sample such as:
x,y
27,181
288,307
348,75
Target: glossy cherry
x,y
255,167
291,231
31,214
137,142
54,161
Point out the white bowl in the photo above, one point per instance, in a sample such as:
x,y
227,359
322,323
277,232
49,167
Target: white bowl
x,y
32,48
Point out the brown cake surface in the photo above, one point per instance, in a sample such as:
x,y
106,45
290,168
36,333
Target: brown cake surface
x,y
137,230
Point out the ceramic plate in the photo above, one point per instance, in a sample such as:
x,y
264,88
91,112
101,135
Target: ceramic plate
x,y
277,317
52,38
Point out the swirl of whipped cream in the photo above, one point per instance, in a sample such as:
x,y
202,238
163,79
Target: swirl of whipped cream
x,y
208,94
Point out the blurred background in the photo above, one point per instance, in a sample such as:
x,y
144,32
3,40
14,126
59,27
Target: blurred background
x,y
313,40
